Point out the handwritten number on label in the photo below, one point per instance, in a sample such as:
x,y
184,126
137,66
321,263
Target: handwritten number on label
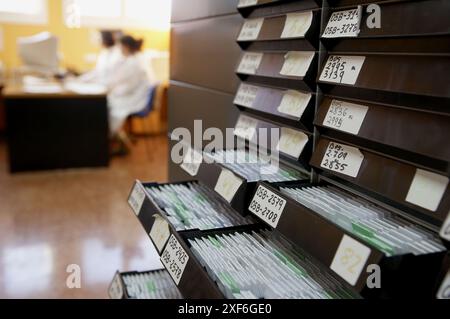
x,y
345,116
350,258
343,24
343,159
174,258
342,69
267,205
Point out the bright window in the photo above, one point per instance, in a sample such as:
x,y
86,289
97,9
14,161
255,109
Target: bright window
x,y
23,11
100,8
154,14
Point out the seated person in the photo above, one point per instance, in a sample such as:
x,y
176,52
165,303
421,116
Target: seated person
x,y
128,89
108,57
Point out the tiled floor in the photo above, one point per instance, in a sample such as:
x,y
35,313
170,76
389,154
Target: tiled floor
x,y
49,220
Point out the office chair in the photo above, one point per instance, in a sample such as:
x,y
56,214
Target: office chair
x,y
156,99
144,112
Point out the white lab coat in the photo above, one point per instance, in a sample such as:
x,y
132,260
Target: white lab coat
x,y
106,62
128,91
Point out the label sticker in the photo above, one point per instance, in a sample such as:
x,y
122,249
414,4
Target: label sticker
x,y
343,24
160,232
116,289
192,161
250,29
267,205
246,3
342,69
296,63
246,95
444,290
343,159
227,184
350,259
245,127
445,230
175,259
426,189
294,103
136,198
250,63
292,142
344,116
297,24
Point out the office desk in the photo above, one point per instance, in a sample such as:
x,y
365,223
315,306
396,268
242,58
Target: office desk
x,y
56,130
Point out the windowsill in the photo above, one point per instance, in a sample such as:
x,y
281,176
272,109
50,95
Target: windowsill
x,y
16,18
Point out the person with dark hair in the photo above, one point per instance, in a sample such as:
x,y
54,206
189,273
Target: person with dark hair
x,y
128,87
130,45
108,40
108,57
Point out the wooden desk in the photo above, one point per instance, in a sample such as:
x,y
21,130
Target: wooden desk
x,y
57,130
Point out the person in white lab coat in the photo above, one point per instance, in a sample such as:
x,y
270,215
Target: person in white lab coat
x,y
107,59
128,86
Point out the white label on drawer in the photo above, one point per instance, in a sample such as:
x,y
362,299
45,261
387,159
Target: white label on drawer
x,y
444,290
292,142
267,205
250,63
343,24
136,198
246,3
445,230
250,29
296,63
175,259
350,259
343,159
245,127
160,232
294,103
342,69
227,184
116,289
297,24
344,116
192,161
427,189
246,95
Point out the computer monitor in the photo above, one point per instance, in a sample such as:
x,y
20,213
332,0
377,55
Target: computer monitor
x,y
39,53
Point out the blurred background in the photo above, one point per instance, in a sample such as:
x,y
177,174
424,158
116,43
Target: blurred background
x,y
83,113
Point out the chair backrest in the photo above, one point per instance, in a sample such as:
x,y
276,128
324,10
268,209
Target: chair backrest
x,y
152,92
152,96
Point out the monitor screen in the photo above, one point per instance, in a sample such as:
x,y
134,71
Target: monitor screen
x,y
39,52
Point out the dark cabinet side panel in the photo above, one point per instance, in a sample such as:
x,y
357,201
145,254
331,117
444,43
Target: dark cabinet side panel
x,y
183,10
205,52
